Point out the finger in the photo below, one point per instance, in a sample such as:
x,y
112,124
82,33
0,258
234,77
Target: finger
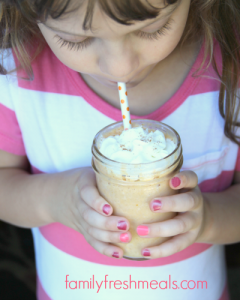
x,y
170,247
104,248
90,194
180,224
93,218
108,236
185,179
188,201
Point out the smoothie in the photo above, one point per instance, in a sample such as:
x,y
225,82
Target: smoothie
x,y
133,167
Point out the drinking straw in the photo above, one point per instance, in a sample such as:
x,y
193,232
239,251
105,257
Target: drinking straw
x,y
124,105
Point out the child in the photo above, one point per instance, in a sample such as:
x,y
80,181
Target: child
x,y
180,61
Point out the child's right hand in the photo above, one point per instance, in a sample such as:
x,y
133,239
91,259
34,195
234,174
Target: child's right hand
x,y
83,209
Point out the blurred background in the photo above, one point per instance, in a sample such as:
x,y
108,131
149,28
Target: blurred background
x,y
18,274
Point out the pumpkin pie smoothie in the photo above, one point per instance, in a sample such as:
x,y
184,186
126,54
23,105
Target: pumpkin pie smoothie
x,y
132,167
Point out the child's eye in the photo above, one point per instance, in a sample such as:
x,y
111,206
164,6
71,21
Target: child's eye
x,y
73,45
155,35
85,43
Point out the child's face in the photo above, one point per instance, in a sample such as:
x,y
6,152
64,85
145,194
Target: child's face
x,y
113,52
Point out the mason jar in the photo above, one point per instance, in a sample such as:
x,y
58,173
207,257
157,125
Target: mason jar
x,y
129,188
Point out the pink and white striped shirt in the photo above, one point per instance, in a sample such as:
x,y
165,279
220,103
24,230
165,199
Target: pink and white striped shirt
x,y
53,120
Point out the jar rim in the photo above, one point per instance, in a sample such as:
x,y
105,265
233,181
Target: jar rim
x,y
156,180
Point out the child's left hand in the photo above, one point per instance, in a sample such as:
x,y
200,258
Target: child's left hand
x,y
187,226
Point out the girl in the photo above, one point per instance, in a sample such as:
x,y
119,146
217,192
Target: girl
x,y
180,61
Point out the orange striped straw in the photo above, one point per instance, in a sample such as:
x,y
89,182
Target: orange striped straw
x,y
124,105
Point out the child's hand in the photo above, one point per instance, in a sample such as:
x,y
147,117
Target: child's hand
x,y
87,212
188,225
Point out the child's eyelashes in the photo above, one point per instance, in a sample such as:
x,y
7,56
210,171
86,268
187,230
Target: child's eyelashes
x,y
73,45
155,35
85,43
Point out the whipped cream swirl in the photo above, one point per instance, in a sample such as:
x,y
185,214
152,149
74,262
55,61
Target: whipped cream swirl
x,y
137,145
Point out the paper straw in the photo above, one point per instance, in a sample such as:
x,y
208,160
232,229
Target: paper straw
x,y
124,105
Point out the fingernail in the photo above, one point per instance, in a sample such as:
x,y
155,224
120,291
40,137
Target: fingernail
x,y
124,237
146,252
156,205
175,181
122,225
115,254
142,230
106,209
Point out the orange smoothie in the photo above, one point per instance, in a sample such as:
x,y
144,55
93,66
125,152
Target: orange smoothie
x,y
129,187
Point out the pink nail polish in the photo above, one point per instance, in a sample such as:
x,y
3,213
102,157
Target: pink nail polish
x,y
156,205
122,225
146,252
124,237
115,254
175,181
142,230
106,209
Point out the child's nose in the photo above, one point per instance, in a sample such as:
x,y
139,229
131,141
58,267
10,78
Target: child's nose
x,y
118,61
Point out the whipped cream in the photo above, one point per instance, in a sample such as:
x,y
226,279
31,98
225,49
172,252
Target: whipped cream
x,y
137,145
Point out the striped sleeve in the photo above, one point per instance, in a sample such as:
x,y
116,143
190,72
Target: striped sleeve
x,y
10,133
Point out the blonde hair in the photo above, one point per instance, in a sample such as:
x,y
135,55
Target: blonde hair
x,y
208,19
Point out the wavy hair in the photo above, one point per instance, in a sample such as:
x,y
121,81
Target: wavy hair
x,y
208,19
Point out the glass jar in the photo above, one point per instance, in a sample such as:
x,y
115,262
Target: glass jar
x,y
130,187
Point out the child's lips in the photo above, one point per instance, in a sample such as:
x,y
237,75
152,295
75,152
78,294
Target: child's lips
x,y
129,84
125,81
115,82
132,81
